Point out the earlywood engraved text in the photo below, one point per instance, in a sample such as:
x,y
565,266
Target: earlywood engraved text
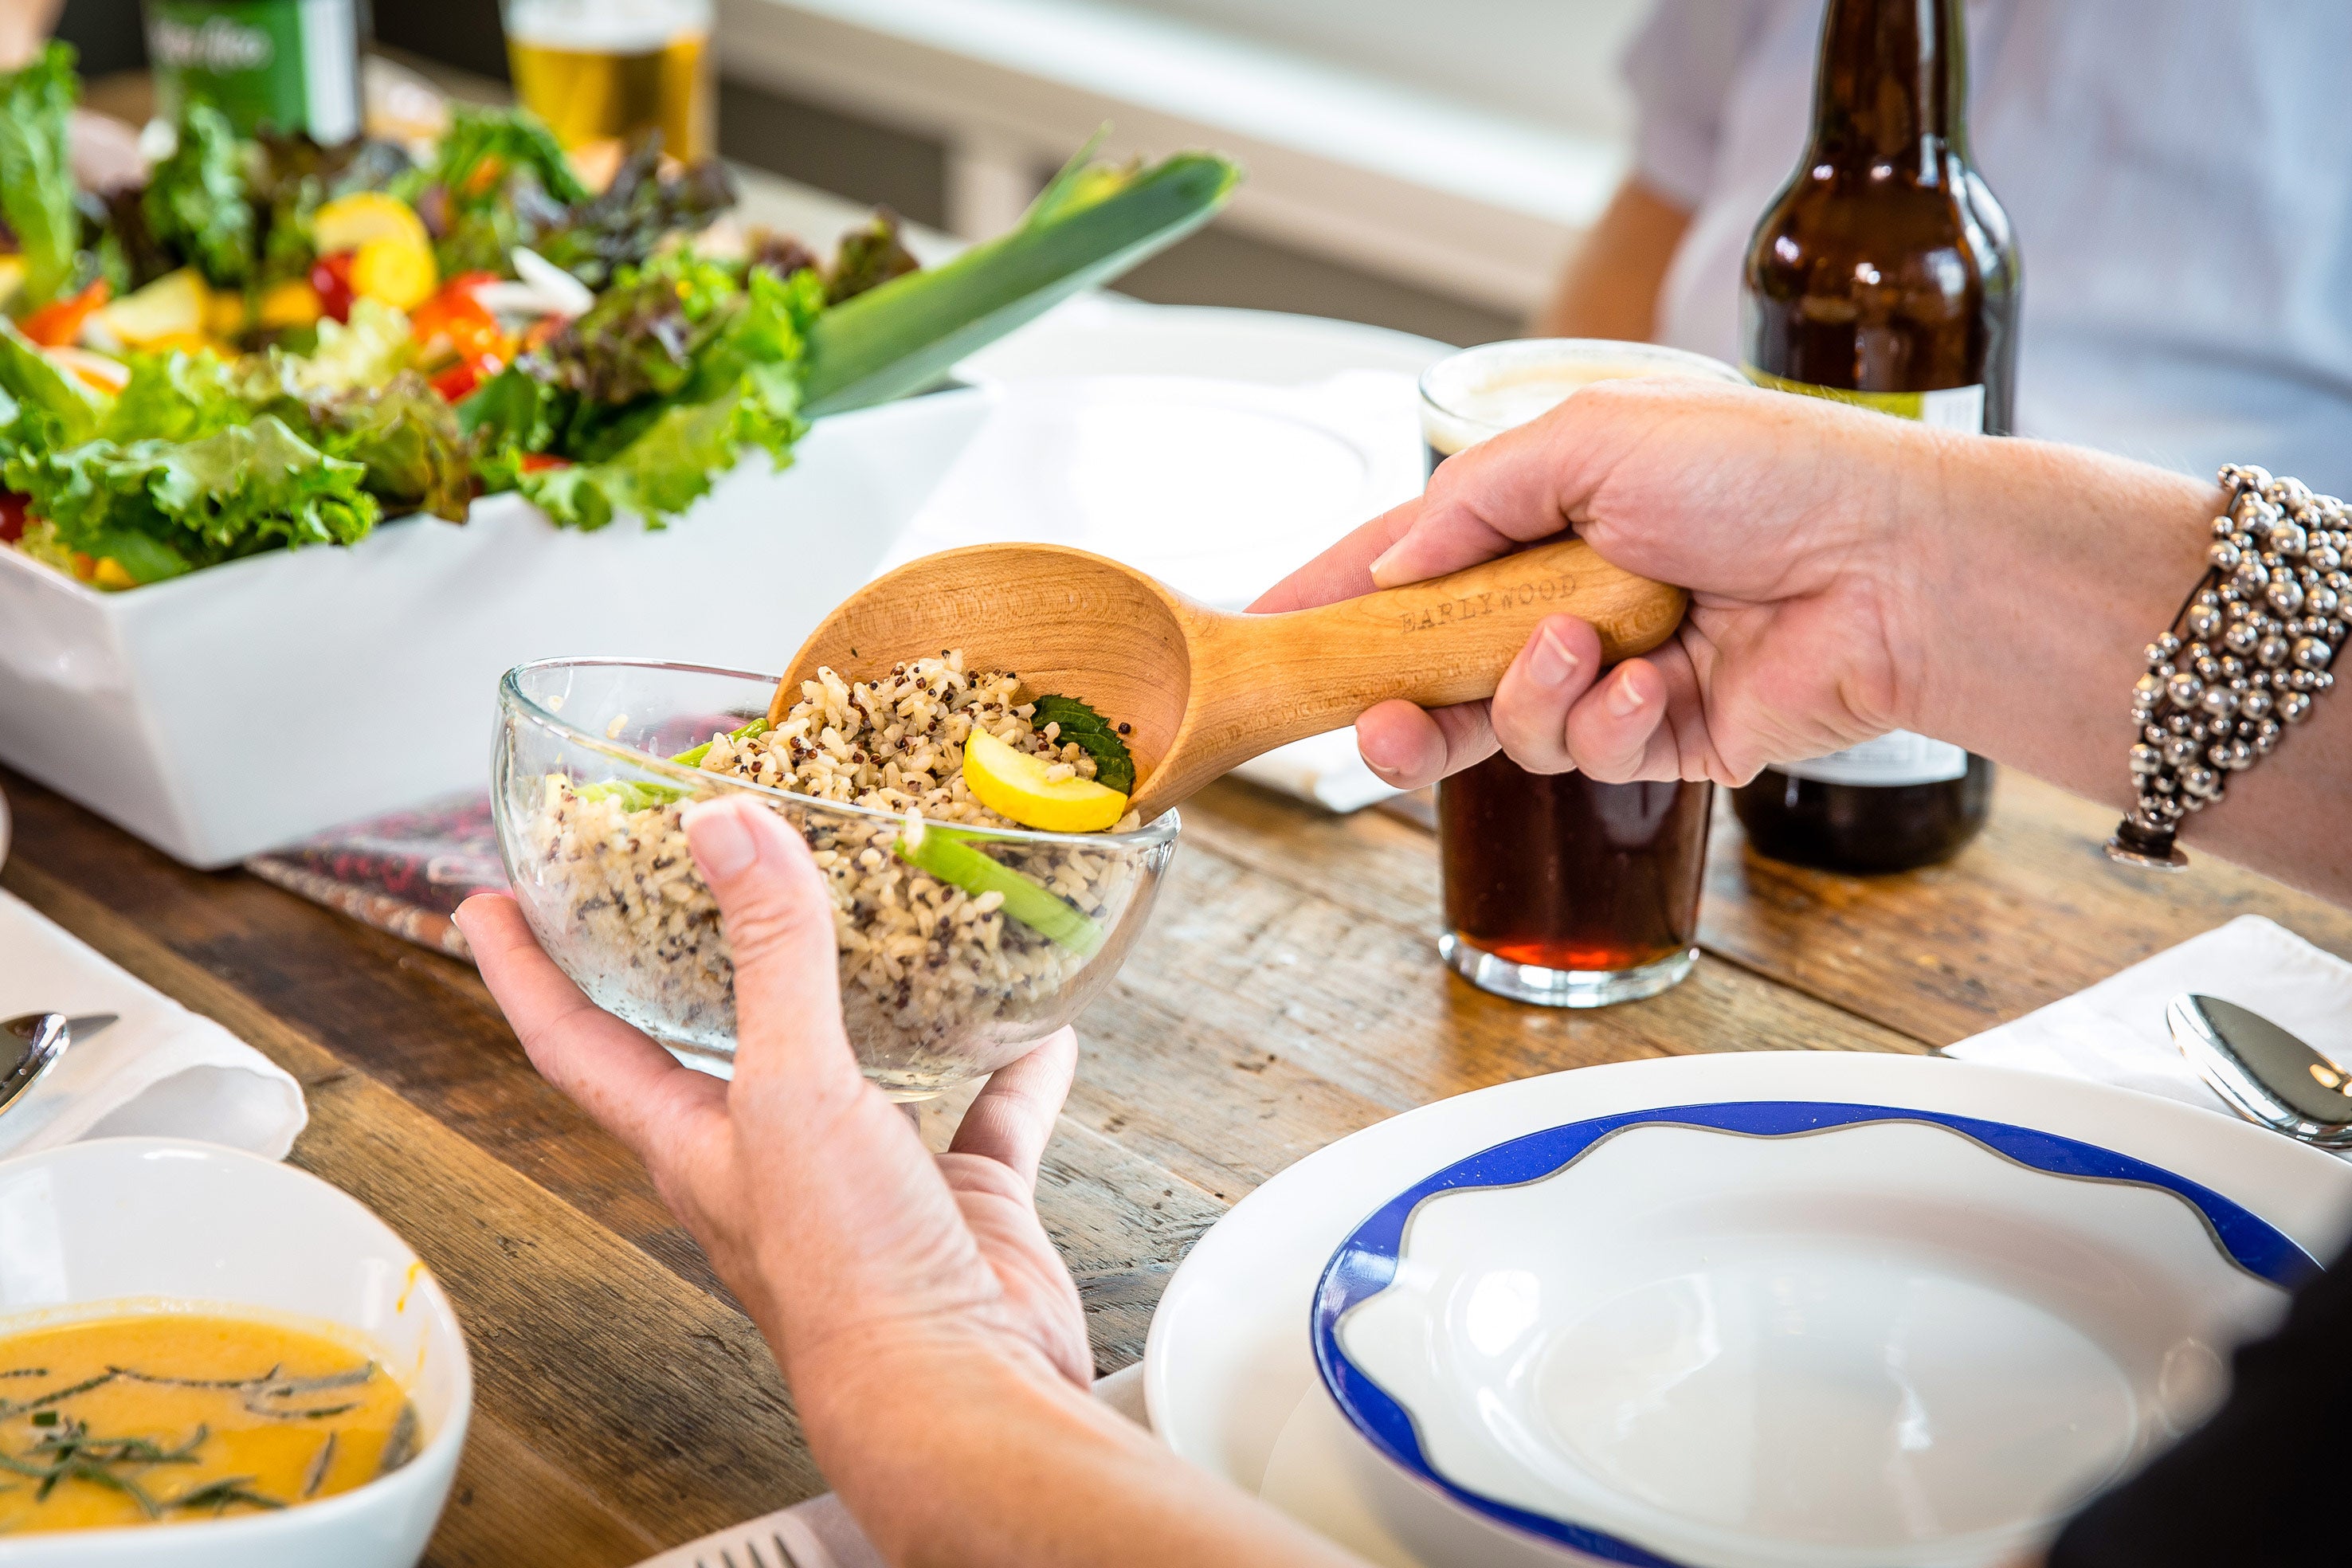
x,y
1470,606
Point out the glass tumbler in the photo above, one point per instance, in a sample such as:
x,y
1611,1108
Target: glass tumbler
x,y
1560,890
599,70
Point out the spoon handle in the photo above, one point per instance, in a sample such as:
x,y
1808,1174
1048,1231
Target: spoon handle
x,y
1446,640
1449,639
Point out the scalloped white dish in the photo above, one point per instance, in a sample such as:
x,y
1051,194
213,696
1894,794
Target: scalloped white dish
x,y
1789,1334
1231,1380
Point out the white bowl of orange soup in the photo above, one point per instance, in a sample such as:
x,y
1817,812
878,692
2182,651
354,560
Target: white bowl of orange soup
x,y
209,1359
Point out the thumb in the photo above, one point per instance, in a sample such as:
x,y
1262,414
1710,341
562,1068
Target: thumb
x,y
778,924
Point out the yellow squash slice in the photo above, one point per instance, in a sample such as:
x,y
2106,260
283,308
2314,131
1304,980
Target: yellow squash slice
x,y
1013,783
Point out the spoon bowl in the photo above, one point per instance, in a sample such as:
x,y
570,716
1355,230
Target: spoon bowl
x,y
1203,690
31,1044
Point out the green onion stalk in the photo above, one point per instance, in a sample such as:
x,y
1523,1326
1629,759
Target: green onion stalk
x,y
1089,224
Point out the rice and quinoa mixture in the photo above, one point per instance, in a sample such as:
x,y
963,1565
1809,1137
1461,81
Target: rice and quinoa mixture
x,y
922,962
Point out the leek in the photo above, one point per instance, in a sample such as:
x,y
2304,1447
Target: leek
x,y
1089,224
640,794
946,856
693,758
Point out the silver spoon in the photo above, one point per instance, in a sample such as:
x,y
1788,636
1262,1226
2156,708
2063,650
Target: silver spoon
x,y
39,1040
2268,1075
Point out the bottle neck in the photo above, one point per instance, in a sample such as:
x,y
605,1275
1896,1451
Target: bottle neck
x,y
1892,85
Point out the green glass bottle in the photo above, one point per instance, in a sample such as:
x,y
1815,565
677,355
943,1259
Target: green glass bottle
x,y
293,65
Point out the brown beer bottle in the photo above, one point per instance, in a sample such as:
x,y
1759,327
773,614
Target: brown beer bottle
x,y
1883,275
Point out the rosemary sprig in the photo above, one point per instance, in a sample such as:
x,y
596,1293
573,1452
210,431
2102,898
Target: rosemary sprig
x,y
74,1442
220,1495
135,1375
10,1408
268,1386
401,1447
350,1379
71,1453
318,1476
99,1474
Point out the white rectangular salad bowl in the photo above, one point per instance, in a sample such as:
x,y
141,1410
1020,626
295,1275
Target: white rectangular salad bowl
x,y
234,709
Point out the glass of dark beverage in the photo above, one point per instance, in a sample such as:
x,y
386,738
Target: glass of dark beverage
x,y
1559,890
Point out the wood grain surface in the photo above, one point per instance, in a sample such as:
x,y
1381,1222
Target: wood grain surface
x,y
1288,994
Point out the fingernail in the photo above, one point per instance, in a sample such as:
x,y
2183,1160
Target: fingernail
x,y
1379,563
1551,662
1624,700
722,842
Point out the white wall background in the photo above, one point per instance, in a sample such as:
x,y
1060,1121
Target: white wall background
x,y
1459,146
1550,61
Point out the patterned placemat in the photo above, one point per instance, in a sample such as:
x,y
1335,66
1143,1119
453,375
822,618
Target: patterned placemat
x,y
405,873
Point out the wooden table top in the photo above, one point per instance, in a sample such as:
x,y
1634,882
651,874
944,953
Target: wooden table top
x,y
1287,993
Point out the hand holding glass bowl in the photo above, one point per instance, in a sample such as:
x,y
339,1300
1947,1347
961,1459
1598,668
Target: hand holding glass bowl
x,y
941,979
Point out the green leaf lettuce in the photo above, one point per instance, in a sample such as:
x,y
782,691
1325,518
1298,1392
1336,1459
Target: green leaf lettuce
x,y
197,202
161,507
36,186
47,408
657,454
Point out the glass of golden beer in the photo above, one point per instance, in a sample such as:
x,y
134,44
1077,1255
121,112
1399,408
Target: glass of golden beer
x,y
599,70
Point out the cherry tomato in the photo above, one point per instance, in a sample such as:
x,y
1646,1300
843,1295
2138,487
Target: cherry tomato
x,y
533,462
454,302
331,276
57,323
455,321
457,331
455,382
12,516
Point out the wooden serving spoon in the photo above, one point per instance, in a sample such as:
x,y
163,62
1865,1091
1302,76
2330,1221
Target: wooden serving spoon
x,y
1202,689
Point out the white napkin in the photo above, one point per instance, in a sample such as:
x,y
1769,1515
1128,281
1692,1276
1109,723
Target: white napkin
x,y
161,1071
2114,1032
1327,770
819,1534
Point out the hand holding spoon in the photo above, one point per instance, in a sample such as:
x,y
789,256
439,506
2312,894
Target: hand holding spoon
x,y
1203,690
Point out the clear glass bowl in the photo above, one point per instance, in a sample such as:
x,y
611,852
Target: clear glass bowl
x,y
587,805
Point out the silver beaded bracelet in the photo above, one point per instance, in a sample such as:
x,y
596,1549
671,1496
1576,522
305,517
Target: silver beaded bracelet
x,y
2242,658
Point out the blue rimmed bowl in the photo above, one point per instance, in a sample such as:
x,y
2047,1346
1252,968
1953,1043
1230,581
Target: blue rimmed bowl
x,y
1767,1333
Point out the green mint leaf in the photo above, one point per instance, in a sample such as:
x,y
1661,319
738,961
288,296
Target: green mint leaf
x,y
1114,763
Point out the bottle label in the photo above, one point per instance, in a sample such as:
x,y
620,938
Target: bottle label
x,y
1897,757
1946,409
291,64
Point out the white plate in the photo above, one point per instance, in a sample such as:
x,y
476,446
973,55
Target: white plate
x,y
1109,334
1323,1474
1219,488
1230,1356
